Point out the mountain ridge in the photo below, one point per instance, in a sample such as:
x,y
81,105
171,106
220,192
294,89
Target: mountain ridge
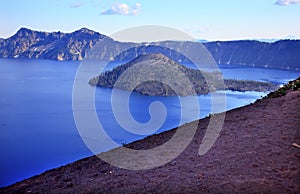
x,y
30,44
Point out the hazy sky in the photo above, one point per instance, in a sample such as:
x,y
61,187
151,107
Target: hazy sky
x,y
203,19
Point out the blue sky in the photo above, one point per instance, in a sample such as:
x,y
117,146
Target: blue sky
x,y
202,19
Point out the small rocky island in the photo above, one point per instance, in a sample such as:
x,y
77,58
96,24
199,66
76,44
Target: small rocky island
x,y
158,75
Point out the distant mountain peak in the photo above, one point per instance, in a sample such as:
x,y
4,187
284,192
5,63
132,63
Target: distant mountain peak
x,y
86,31
24,30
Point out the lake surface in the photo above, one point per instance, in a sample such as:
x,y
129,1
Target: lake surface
x,y
37,128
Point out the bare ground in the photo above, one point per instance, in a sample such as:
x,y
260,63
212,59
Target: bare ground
x,y
253,154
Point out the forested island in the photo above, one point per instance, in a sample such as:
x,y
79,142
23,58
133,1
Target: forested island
x,y
165,77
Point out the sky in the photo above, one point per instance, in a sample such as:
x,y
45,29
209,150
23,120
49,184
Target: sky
x,y
202,19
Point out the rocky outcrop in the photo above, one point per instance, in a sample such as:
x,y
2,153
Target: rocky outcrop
x,y
282,91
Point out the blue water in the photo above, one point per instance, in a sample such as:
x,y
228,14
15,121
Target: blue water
x,y
37,128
